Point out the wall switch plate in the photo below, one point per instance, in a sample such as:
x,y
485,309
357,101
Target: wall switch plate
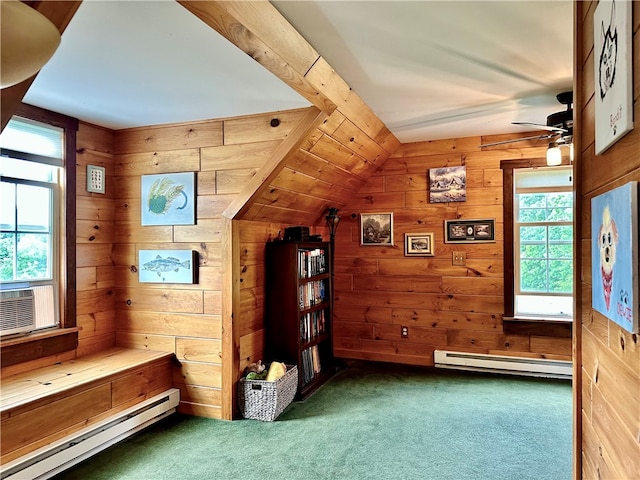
x,y
95,179
404,332
459,258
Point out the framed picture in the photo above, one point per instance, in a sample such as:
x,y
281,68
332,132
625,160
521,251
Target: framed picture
x,y
448,184
376,229
418,244
168,199
614,255
612,54
168,266
469,231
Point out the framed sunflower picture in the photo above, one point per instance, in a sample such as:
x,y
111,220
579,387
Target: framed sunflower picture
x,y
169,199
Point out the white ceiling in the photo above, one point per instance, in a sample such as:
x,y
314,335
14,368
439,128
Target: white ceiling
x,y
428,69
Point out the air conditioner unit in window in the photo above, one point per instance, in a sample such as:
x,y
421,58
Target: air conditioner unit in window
x,y
17,312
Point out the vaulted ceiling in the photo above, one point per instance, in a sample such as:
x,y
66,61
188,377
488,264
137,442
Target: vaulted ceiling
x,y
427,69
424,84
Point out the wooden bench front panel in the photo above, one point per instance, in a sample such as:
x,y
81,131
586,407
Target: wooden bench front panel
x,y
49,403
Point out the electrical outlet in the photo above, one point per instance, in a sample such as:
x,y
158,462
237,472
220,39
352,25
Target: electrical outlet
x,y
459,258
404,332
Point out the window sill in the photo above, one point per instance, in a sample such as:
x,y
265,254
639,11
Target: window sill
x,y
37,345
546,327
538,319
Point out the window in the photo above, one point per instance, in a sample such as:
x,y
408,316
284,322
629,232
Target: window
x,y
543,242
31,170
538,211
49,341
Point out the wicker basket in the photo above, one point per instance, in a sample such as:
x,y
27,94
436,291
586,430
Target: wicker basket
x,y
262,400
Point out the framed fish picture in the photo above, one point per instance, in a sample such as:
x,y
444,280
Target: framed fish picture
x,y
168,199
168,266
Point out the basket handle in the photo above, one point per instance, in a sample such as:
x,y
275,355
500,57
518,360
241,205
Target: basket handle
x,y
256,386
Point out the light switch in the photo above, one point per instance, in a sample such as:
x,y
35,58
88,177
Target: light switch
x,y
459,258
95,179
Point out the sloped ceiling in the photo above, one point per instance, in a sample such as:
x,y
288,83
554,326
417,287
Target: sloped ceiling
x,y
427,69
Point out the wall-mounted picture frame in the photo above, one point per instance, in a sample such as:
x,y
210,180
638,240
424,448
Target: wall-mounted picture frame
x,y
168,199
448,184
614,256
376,229
168,266
613,67
418,244
470,231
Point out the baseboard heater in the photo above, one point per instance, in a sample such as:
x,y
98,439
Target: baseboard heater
x,y
60,455
538,367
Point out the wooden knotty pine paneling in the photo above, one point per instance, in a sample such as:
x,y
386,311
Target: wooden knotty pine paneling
x,y
187,319
378,289
326,171
608,384
95,234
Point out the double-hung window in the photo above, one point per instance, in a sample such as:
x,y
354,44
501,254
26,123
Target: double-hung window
x,y
31,218
543,242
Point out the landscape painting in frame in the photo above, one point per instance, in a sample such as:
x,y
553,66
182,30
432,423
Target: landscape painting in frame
x,y
418,244
614,255
167,266
168,199
448,184
376,229
613,72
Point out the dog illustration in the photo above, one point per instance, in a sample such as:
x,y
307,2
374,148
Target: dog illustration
x,y
608,54
607,239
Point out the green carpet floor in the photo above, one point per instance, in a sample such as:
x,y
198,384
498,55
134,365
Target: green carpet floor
x,y
370,421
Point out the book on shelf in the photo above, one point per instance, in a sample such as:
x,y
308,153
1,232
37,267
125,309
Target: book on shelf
x,y
312,293
312,325
311,262
310,363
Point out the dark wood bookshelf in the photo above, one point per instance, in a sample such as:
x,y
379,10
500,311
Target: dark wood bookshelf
x,y
299,309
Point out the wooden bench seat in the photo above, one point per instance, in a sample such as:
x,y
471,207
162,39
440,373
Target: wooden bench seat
x,y
49,403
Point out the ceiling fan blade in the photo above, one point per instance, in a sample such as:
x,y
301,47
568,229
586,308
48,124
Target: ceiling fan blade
x,y
543,127
537,137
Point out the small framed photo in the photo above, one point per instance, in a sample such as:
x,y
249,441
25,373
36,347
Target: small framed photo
x,y
418,244
168,266
470,231
376,229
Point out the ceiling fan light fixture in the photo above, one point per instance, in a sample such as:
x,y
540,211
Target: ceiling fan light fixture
x,y
29,40
554,155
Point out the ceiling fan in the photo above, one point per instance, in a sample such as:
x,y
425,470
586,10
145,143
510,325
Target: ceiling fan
x,y
560,128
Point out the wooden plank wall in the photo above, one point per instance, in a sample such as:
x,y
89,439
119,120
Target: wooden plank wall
x,y
607,396
331,165
185,319
95,235
378,289
250,319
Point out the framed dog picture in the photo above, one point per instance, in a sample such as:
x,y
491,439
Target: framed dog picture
x,y
614,255
613,67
